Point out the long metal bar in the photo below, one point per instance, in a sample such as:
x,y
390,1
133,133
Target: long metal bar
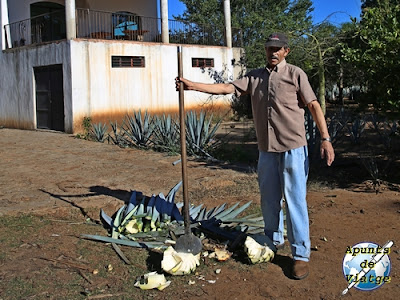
x,y
183,144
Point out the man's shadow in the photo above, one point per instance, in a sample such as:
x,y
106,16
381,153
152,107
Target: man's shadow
x,y
122,195
285,263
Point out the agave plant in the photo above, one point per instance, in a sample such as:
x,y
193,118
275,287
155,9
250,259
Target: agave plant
x,y
115,135
356,129
312,134
99,132
149,222
165,134
200,134
386,130
137,131
335,128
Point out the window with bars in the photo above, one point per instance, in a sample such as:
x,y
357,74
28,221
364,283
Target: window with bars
x,y
127,62
202,62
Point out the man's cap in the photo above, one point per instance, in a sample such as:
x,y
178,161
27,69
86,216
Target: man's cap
x,y
277,40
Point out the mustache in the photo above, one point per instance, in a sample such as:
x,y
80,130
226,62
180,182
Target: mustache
x,y
273,57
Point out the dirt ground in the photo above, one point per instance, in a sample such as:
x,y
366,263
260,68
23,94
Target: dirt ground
x,y
52,184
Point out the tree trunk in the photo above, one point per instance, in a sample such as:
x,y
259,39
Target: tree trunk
x,y
321,77
341,98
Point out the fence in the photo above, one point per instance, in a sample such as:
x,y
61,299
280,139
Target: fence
x,y
39,29
92,24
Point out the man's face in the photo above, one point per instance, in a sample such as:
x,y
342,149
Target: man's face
x,y
275,55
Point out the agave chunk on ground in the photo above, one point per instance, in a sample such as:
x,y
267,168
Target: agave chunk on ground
x,y
152,280
177,263
258,253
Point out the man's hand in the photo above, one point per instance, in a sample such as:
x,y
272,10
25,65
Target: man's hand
x,y
210,88
327,152
186,83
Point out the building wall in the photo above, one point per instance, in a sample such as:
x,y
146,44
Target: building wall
x,y
17,84
92,88
18,10
108,94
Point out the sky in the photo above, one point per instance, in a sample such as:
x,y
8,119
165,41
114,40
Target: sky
x,y
322,9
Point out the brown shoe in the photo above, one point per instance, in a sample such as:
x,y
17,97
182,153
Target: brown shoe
x,y
300,269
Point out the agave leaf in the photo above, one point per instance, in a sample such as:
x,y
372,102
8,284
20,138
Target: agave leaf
x,y
210,212
212,133
176,214
172,192
147,245
168,213
149,208
106,218
236,212
150,235
128,217
165,209
156,212
200,126
217,211
194,211
227,211
118,216
258,219
140,210
117,223
201,215
254,216
133,201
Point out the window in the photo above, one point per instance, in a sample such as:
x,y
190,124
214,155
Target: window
x,y
127,62
47,22
202,62
124,21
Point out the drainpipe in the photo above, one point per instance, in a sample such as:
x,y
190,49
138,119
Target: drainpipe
x,y
4,21
164,21
228,29
70,19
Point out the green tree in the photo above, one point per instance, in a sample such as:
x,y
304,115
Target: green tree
x,y
257,20
318,49
375,52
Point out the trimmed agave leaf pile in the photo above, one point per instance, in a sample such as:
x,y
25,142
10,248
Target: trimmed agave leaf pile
x,y
151,222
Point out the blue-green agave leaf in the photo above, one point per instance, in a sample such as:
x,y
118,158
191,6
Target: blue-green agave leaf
x,y
194,211
227,211
106,218
217,211
201,215
172,192
147,245
236,212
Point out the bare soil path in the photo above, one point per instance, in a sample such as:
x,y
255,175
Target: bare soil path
x,y
46,176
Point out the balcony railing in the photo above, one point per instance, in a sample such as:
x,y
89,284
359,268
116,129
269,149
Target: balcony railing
x,y
92,24
39,29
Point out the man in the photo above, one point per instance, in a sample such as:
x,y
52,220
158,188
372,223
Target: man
x,y
279,94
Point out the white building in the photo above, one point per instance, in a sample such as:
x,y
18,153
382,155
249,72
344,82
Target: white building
x,y
62,61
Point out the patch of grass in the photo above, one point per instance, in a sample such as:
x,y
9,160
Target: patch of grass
x,y
17,228
18,288
239,153
317,185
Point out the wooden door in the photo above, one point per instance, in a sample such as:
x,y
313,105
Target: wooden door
x,y
49,97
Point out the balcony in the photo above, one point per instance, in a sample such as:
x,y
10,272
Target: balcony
x,y
92,24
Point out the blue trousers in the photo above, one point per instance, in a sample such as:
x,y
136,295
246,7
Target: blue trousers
x,y
284,176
